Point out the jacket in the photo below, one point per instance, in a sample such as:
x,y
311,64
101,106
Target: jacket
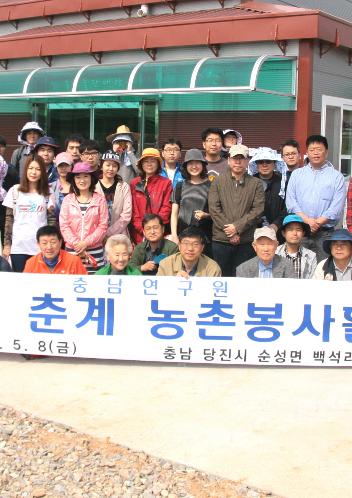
x,y
154,198
171,266
308,260
240,203
325,270
274,207
129,270
91,227
282,268
68,264
139,254
177,176
121,209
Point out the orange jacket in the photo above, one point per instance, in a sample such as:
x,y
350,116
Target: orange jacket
x,y
68,264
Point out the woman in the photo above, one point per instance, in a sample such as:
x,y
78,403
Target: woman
x,y
61,187
84,217
190,198
151,193
29,207
117,194
118,251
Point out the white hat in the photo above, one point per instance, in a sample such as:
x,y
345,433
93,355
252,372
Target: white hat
x,y
30,125
265,232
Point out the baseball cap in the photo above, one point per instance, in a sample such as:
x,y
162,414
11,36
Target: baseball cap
x,y
265,232
239,149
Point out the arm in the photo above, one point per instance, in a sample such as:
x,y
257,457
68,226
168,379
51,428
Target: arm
x,y
70,237
174,217
255,212
333,213
133,159
96,238
9,219
292,203
123,220
215,207
165,208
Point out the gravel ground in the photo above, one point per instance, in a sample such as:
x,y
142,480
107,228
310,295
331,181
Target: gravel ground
x,y
39,458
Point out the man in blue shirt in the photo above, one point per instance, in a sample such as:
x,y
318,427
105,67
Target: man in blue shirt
x,y
317,194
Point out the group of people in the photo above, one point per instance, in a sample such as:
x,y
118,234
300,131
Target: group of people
x,y
225,210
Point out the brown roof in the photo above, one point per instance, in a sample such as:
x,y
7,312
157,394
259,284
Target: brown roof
x,y
244,23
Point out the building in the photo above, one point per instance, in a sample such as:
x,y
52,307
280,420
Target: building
x,y
171,68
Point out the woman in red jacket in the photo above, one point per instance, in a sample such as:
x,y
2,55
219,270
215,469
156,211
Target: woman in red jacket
x,y
151,193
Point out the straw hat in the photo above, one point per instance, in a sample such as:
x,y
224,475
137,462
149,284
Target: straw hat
x,y
122,133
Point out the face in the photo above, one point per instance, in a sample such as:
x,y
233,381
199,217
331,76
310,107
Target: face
x,y
317,154
266,168
110,169
91,157
230,140
341,249
63,169
171,153
2,150
191,248
212,144
238,165
119,257
49,245
47,153
33,172
73,149
32,136
83,181
153,231
265,249
119,146
194,168
150,166
293,233
290,155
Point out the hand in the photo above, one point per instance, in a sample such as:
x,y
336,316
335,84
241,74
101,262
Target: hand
x,y
230,230
274,227
183,273
80,247
235,239
199,215
174,238
6,251
148,266
314,225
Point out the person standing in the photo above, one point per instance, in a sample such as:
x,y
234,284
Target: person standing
x,y
61,187
291,155
46,148
171,167
213,141
28,137
122,142
317,194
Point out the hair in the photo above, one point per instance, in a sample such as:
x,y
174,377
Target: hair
x,y
88,144
141,170
75,137
290,143
171,141
75,190
49,230
151,216
187,176
115,240
117,177
214,131
318,139
2,141
43,184
193,232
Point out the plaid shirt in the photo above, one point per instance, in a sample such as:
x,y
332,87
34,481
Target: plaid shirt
x,y
296,260
349,207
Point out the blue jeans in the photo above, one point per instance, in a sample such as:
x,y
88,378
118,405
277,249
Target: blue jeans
x,y
228,256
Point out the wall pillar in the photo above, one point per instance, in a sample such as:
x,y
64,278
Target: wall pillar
x,y
303,115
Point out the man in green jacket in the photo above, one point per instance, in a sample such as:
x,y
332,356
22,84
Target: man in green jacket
x,y
118,250
148,254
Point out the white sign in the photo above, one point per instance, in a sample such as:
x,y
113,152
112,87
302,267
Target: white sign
x,y
227,321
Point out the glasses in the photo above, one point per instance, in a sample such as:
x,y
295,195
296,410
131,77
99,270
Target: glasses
x,y
316,149
90,153
192,245
213,140
290,154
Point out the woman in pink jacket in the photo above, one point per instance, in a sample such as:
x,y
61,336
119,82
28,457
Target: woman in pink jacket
x,y
84,217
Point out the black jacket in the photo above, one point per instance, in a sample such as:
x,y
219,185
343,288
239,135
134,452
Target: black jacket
x,y
274,208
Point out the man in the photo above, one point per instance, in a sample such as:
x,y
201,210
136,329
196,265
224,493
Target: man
x,y
171,167
338,266
317,194
148,254
28,137
231,137
213,140
51,258
122,142
266,264
291,155
304,260
236,204
90,153
190,260
264,163
46,148
72,144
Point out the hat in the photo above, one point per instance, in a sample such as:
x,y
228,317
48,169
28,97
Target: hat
x,y
149,152
45,140
234,132
63,157
294,218
194,155
265,232
110,156
341,234
30,126
84,168
122,133
239,149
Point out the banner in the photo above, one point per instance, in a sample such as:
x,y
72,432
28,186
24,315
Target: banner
x,y
226,321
